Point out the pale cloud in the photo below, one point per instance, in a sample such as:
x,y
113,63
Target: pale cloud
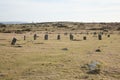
x,y
64,10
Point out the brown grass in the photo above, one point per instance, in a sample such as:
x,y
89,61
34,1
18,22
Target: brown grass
x,y
45,60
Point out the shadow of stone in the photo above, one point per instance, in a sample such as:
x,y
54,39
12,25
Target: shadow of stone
x,y
65,49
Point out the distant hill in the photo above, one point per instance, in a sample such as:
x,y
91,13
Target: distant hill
x,y
62,25
12,22
81,25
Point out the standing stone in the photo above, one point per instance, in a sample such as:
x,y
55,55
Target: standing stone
x,y
108,36
71,37
95,33
84,38
13,41
24,37
99,37
35,36
58,37
46,37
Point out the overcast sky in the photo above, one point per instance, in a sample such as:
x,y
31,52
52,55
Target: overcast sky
x,y
60,10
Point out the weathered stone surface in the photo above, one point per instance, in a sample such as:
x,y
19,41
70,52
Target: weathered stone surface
x,y
13,41
99,37
46,37
94,67
35,36
58,37
84,38
71,37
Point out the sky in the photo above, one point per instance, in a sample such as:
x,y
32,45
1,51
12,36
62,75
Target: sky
x,y
60,10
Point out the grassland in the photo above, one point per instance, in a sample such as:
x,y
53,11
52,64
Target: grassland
x,y
47,60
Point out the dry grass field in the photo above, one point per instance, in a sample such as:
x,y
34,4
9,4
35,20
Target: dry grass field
x,y
58,59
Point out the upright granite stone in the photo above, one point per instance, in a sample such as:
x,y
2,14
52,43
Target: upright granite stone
x,y
84,38
108,35
13,41
24,37
35,36
58,37
99,37
46,37
71,36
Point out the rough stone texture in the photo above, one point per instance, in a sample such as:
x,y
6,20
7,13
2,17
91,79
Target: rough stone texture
x,y
13,41
94,67
99,37
46,37
35,36
84,38
24,37
108,36
71,37
58,37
